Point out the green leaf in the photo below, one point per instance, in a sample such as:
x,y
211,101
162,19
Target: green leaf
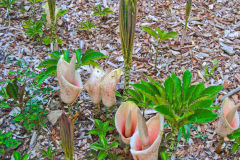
x,y
16,155
177,91
114,144
55,55
164,155
151,32
235,147
61,13
169,89
78,55
4,105
92,55
97,146
103,141
94,131
211,91
25,157
203,116
12,90
48,63
66,54
102,155
195,92
135,95
202,103
167,111
235,134
98,123
187,76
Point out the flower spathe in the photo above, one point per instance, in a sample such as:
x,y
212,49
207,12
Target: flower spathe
x,y
93,84
108,87
155,129
69,80
123,121
229,118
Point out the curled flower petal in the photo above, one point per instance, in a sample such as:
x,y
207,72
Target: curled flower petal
x,y
93,85
122,118
229,118
108,87
155,129
69,80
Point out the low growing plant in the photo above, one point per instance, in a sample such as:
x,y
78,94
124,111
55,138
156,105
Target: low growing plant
x,y
33,29
159,35
103,147
180,102
49,153
8,4
235,135
50,65
102,12
7,142
208,72
88,25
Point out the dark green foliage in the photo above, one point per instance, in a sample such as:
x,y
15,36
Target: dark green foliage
x,y
7,142
17,156
50,64
103,147
33,29
235,135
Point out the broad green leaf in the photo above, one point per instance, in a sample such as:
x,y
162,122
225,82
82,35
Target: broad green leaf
x,y
235,147
187,76
197,91
55,55
78,55
103,141
211,91
97,146
25,157
102,155
169,89
16,155
48,63
151,87
164,155
202,103
151,32
61,13
98,123
134,94
94,131
4,105
114,144
177,94
167,111
161,100
235,134
203,116
66,55
92,55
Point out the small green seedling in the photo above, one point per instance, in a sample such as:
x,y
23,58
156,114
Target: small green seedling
x,y
17,156
33,29
209,71
49,153
88,25
7,142
103,146
102,12
235,135
159,36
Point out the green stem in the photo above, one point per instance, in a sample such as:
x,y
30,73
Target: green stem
x,y
156,55
126,82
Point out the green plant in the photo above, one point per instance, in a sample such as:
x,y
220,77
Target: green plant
x,y
208,72
50,65
17,156
127,27
47,41
180,102
49,153
8,5
100,12
159,36
103,146
188,10
88,25
33,29
7,142
235,135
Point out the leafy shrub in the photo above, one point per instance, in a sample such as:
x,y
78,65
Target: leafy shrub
x,y
50,65
7,142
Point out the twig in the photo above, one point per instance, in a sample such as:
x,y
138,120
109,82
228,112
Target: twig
x,y
230,93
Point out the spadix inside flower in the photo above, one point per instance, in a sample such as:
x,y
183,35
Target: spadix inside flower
x,y
69,80
108,87
155,129
143,131
126,120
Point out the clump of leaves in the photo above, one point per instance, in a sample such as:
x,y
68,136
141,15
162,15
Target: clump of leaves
x,y
159,35
102,12
87,26
180,102
47,41
7,142
49,153
208,72
50,65
17,156
8,5
102,147
33,29
235,135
